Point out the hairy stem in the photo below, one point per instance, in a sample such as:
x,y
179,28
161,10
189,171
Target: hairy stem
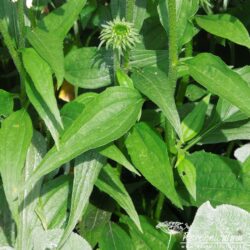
x,y
21,45
130,10
172,46
184,83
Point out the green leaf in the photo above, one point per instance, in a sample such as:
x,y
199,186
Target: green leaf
x,y
110,183
228,226
219,181
118,8
213,73
140,13
115,238
95,65
225,26
226,112
228,132
244,72
93,224
150,156
194,92
48,37
60,20
6,103
50,48
49,239
7,234
29,197
72,110
53,203
15,138
114,111
187,172
8,19
194,121
153,83
140,58
86,171
112,152
42,91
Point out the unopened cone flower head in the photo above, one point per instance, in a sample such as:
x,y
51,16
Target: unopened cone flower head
x,y
119,35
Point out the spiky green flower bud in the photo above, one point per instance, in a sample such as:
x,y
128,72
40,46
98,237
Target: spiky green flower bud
x,y
119,35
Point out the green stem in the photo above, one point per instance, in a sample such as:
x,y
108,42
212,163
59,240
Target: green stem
x,y
11,47
170,138
117,64
130,10
159,206
172,46
185,81
21,45
20,9
172,70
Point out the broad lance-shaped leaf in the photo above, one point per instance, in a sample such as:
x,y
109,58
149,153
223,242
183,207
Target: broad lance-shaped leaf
x,y
29,198
225,26
110,183
93,232
95,65
86,171
72,110
53,202
228,226
62,19
115,237
50,48
107,118
154,84
218,180
150,156
47,37
187,172
211,72
8,19
112,152
15,137
41,91
49,239
194,121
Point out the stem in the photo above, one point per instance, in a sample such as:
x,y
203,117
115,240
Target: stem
x,y
21,45
11,47
130,10
117,64
20,9
184,83
172,46
172,70
159,206
170,138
